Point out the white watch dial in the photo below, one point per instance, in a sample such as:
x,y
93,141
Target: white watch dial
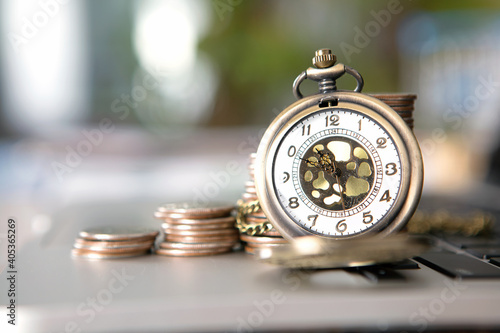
x,y
337,172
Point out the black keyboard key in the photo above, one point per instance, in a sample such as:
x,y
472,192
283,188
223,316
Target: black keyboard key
x,y
459,265
495,261
467,242
404,264
484,252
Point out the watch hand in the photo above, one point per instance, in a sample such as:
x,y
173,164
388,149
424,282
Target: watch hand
x,y
340,186
313,163
329,166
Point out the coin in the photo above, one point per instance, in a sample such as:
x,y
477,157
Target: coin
x,y
263,239
197,246
202,233
198,227
261,245
258,215
405,115
194,210
97,255
250,249
255,219
88,244
111,250
408,109
315,252
217,220
254,248
114,233
191,253
251,191
121,243
195,239
394,96
399,104
249,197
271,233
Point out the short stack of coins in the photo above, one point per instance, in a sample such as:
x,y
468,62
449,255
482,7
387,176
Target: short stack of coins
x,y
403,104
197,229
253,236
114,242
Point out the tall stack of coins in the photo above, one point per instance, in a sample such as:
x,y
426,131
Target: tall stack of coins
x,y
197,229
114,242
255,229
403,104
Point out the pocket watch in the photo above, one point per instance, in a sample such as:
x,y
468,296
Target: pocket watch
x,y
338,164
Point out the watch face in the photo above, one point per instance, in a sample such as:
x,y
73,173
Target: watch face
x,y
337,172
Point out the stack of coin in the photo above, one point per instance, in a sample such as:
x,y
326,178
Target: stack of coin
x,y
114,242
403,104
197,229
256,232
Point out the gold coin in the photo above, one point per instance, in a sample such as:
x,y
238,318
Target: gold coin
x,y
202,233
191,253
198,246
115,233
195,239
263,239
98,255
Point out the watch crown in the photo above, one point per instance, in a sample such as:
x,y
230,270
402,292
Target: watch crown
x,y
324,58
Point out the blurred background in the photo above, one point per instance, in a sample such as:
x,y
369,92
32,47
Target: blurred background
x,y
104,102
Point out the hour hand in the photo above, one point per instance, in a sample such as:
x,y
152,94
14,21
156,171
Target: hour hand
x,y
311,163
